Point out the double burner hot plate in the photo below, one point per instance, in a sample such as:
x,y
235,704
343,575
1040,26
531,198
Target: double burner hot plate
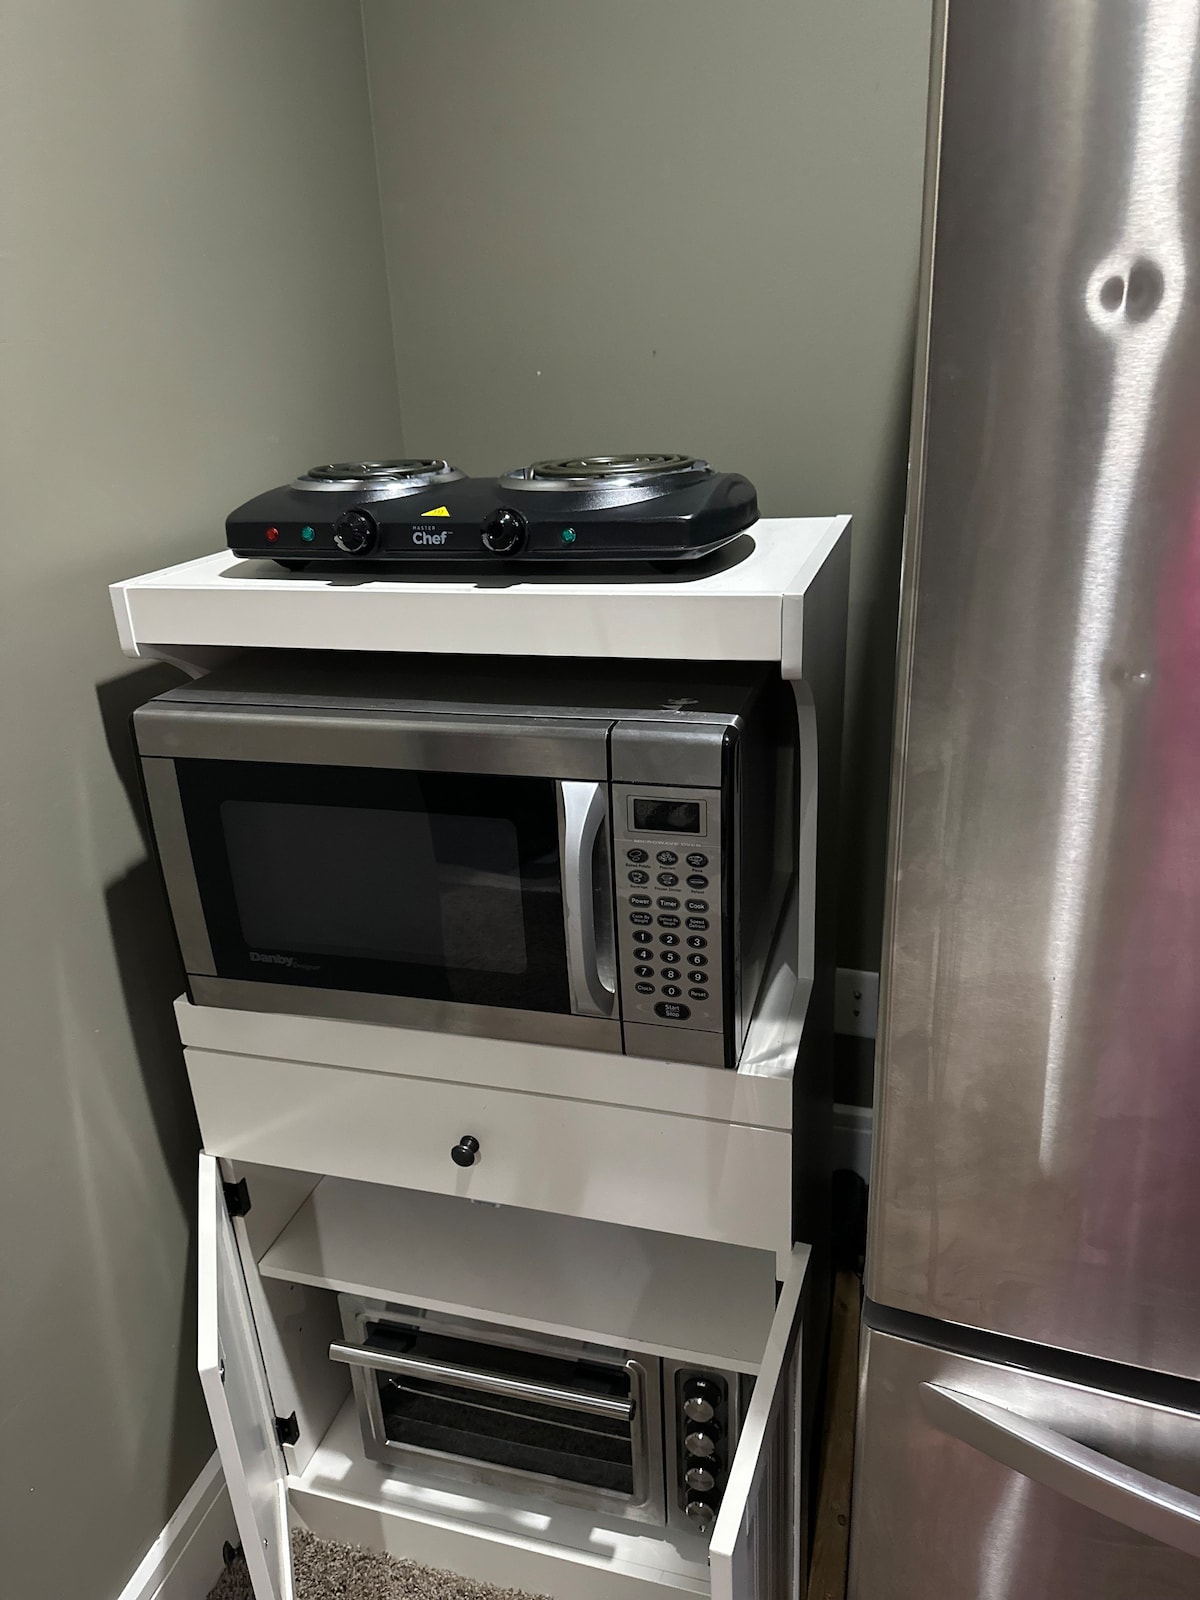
x,y
614,509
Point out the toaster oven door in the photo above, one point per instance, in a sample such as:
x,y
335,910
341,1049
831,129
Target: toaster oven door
x,y
578,1424
437,874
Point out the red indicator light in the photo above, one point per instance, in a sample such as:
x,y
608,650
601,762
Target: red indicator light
x,y
272,534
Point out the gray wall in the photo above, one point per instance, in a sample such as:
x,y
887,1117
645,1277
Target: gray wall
x,y
672,224
182,324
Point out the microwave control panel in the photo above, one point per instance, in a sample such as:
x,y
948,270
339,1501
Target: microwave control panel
x,y
667,863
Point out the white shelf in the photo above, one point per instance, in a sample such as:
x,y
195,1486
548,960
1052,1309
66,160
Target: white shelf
x,y
692,1299
733,611
558,1551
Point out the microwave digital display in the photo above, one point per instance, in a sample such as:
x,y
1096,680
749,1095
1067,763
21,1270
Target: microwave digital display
x,y
667,816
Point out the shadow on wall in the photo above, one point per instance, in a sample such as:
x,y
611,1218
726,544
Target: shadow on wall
x,y
151,975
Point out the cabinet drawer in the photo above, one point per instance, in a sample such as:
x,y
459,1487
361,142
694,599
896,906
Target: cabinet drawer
x,y
690,1175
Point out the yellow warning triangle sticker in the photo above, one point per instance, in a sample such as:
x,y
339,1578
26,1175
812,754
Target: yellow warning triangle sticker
x,y
442,511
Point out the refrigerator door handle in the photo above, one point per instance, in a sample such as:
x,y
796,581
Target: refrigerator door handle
x,y
1084,1475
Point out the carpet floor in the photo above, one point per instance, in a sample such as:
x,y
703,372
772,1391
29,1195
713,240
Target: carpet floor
x,y
328,1571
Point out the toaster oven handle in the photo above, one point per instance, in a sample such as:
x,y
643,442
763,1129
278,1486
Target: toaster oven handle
x,y
546,1394
582,812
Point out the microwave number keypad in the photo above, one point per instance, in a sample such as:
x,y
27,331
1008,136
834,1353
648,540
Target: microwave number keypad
x,y
668,906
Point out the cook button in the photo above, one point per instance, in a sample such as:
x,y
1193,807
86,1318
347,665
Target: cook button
x,y
672,1011
697,905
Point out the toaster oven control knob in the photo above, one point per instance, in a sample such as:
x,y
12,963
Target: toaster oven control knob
x,y
503,533
701,1515
466,1151
701,1397
354,532
700,1479
701,1442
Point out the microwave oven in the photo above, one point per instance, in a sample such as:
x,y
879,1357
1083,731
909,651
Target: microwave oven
x,y
623,1434
565,852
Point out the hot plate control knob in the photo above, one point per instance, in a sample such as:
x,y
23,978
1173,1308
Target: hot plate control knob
x,y
354,532
466,1151
701,1515
503,533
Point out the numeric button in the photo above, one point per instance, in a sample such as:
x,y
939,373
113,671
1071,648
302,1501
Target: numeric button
x,y
672,990
643,972
667,938
697,960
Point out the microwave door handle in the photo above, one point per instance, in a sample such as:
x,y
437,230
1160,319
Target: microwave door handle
x,y
546,1394
1135,1499
582,812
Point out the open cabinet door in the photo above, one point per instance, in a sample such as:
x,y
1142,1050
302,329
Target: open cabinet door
x,y
757,1547
235,1387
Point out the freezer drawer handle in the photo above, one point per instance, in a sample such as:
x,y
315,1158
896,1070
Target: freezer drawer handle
x,y
366,1355
1084,1475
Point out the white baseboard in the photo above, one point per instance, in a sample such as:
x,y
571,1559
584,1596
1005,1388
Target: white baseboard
x,y
852,1139
184,1561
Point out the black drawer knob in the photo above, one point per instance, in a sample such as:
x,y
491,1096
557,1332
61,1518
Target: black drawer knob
x,y
466,1151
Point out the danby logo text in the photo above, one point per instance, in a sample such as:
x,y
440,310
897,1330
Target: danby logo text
x,y
423,536
275,961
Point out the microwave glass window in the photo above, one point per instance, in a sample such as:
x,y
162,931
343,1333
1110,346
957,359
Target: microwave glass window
x,y
667,816
432,885
435,890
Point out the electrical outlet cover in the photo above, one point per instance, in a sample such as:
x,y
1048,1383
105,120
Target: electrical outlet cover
x,y
856,1003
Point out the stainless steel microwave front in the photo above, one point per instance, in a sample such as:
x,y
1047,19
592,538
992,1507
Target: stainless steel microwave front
x,y
561,873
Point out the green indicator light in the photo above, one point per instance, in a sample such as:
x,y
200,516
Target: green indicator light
x,y
567,536
308,534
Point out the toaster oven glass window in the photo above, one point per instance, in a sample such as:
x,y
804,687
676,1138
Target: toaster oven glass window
x,y
570,1442
435,885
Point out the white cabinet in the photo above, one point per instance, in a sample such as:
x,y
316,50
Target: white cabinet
x,y
268,1283
647,1205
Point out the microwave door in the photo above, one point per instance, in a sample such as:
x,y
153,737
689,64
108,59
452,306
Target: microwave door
x,y
431,873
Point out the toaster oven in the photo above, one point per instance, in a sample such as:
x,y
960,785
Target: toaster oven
x,y
567,853
631,1436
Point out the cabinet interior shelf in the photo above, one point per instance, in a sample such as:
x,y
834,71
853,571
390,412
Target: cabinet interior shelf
x,y
495,1537
692,1299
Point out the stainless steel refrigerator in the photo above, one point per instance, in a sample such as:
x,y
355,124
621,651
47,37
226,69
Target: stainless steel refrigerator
x,y
1030,1392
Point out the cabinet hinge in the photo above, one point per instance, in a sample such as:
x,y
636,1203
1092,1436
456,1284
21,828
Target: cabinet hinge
x,y
287,1429
237,1198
